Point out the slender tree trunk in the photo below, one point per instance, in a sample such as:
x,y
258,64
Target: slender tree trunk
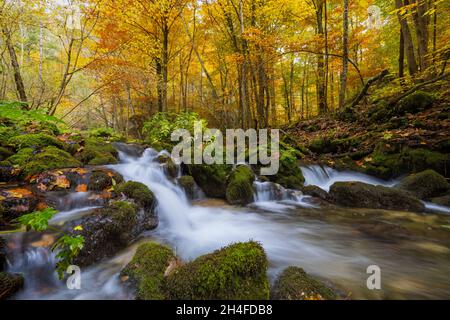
x,y
421,22
20,87
344,73
321,77
401,56
409,45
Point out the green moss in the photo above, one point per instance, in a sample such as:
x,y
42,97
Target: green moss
x,y
138,192
289,174
98,152
323,145
392,160
146,270
36,140
425,185
50,158
124,216
237,272
5,153
170,166
295,284
212,179
22,157
416,102
240,186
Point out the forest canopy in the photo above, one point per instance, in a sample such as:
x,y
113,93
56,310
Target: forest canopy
x,y
237,63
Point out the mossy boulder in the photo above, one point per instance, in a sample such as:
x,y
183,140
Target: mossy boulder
x,y
316,192
361,195
98,152
390,160
100,180
237,272
188,185
212,179
169,166
425,185
138,192
289,174
415,103
107,231
10,284
50,158
146,272
36,140
22,157
295,284
240,186
323,145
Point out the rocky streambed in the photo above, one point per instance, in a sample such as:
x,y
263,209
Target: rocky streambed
x,y
152,232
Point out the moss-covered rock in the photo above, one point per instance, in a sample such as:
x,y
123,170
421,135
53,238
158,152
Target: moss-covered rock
x,y
425,185
361,195
22,157
212,179
295,284
188,185
10,284
289,174
240,186
169,166
36,140
98,152
139,192
100,180
146,272
50,158
416,102
316,192
391,159
323,145
237,272
107,231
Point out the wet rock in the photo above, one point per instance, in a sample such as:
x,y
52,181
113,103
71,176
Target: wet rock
x,y
425,185
240,186
169,166
102,179
8,173
295,284
212,179
109,230
15,202
133,150
188,185
139,193
316,192
361,195
237,272
146,272
10,284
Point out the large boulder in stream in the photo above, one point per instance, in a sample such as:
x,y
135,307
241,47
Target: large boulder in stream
x,y
147,271
187,183
425,185
240,186
110,229
362,195
97,152
289,174
295,284
212,179
236,272
9,284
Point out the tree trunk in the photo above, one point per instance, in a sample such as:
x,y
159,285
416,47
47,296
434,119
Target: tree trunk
x,y
344,73
20,87
421,22
409,45
321,77
401,57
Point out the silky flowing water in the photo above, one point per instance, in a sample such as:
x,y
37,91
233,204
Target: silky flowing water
x,y
293,230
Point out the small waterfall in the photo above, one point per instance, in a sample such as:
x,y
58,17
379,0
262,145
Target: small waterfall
x,y
325,177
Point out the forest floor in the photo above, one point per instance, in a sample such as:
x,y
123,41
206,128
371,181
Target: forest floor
x,y
352,139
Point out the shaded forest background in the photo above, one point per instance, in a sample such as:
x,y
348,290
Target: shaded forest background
x,y
237,63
